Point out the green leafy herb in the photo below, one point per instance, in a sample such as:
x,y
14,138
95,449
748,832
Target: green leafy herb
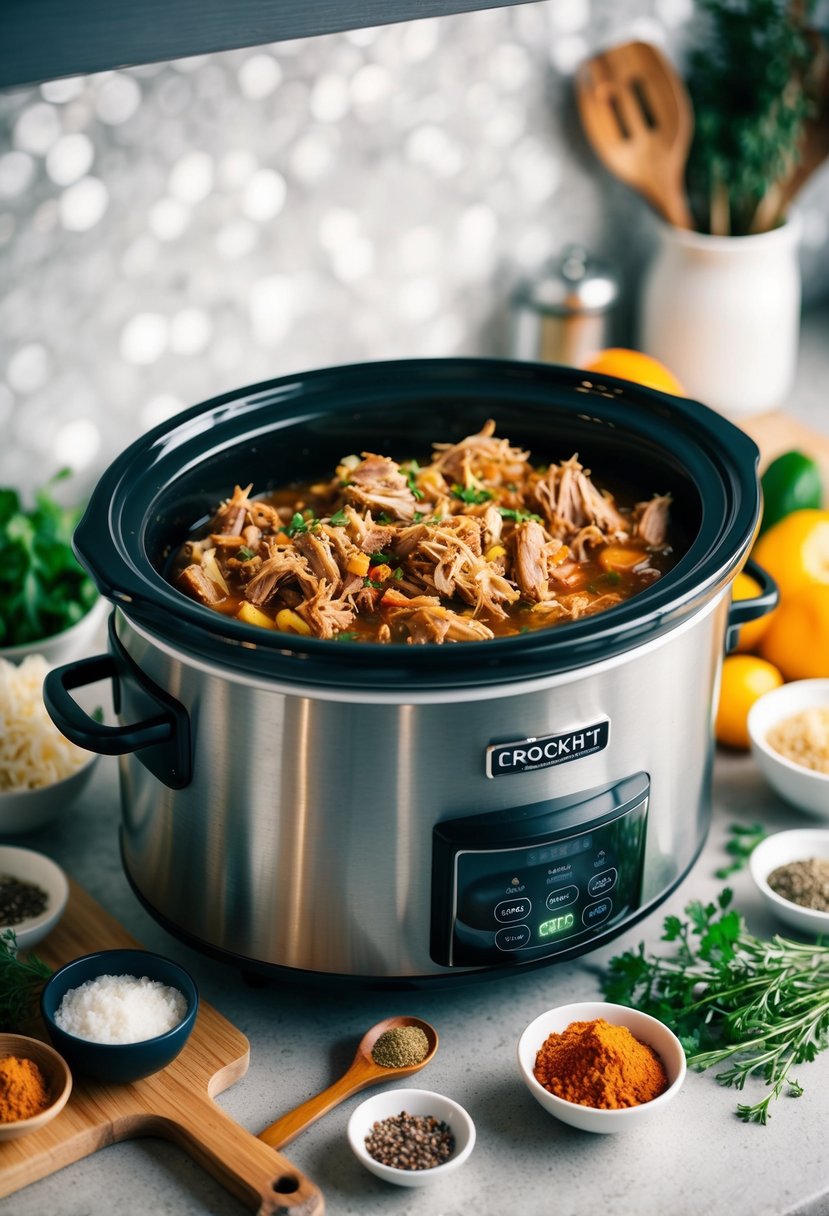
x,y
611,578
245,553
397,573
370,582
470,494
377,559
411,470
345,637
752,90
384,518
20,983
518,517
339,519
300,524
43,589
757,1007
744,839
418,516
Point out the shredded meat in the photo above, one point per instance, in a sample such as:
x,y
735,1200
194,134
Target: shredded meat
x,y
651,520
476,543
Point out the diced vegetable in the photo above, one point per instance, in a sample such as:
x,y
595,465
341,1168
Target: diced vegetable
x,y
291,622
358,563
252,615
616,557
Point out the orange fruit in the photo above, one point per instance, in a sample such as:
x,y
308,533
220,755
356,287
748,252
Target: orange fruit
x,y
744,680
636,366
797,639
745,588
795,551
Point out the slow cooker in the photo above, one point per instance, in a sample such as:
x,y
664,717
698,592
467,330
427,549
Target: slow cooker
x,y
402,814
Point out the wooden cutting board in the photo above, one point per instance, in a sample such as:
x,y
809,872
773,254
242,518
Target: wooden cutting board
x,y
176,1103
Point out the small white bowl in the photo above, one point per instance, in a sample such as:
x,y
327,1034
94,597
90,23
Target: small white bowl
x,y
29,810
415,1102
641,1025
73,643
29,866
778,850
802,787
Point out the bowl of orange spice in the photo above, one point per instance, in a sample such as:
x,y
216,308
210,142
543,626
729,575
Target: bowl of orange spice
x,y
35,1084
601,1067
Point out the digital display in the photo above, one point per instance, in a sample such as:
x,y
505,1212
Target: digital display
x,y
558,924
555,852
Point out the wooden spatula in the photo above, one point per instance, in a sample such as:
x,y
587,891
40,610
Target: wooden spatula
x,y
637,115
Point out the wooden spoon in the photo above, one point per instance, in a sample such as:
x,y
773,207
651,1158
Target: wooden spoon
x,y
362,1072
637,115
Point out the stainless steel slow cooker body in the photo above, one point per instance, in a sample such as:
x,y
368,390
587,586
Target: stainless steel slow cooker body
x,y
407,813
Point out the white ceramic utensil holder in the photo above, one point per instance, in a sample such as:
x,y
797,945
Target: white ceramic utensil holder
x,y
723,313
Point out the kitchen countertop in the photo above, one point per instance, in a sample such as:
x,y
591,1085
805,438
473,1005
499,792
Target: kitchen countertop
x,y
698,1158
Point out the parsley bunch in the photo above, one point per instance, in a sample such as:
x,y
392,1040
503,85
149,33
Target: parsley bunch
x,y
759,1008
43,589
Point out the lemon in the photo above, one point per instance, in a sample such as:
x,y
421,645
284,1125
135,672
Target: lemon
x,y
797,639
744,680
636,366
795,551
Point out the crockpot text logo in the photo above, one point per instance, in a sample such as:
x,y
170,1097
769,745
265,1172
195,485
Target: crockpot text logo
x,y
534,753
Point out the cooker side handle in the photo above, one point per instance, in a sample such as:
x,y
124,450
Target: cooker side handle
x,y
162,739
741,612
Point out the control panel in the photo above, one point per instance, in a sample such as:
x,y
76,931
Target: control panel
x,y
519,885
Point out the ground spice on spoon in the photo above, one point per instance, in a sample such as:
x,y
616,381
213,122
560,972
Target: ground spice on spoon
x,y
400,1047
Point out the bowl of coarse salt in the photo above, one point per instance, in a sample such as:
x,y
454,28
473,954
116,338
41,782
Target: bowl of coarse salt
x,y
119,1015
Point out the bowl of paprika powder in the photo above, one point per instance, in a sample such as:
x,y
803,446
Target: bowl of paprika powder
x,y
35,1084
601,1067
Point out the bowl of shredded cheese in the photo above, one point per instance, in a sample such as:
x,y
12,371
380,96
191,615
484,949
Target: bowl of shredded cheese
x,y
789,732
41,771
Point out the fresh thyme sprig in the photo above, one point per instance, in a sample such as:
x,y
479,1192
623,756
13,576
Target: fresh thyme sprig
x,y
759,1007
20,983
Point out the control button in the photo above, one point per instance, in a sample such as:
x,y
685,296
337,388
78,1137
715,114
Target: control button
x,y
510,910
512,938
594,914
561,897
600,884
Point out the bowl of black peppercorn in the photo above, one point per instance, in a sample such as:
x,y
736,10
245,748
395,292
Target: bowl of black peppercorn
x,y
791,872
411,1136
33,895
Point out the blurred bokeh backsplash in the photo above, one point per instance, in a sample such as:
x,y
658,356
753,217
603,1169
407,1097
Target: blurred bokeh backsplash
x,y
173,231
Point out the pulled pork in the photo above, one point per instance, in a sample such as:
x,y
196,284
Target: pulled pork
x,y
478,543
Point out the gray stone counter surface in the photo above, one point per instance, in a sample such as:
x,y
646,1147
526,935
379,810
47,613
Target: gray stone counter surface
x,y
698,1158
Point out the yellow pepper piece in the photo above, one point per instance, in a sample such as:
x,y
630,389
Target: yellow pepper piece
x,y
292,622
493,552
252,615
379,574
358,563
615,557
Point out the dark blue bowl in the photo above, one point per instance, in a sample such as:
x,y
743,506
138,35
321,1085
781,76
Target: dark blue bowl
x,y
119,1061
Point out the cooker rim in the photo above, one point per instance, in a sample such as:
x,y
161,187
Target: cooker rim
x,y
111,539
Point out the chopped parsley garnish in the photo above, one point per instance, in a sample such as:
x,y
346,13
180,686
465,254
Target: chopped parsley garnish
x,y
518,517
245,553
379,559
384,518
339,519
397,573
300,524
612,577
345,637
417,517
370,582
411,470
470,494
